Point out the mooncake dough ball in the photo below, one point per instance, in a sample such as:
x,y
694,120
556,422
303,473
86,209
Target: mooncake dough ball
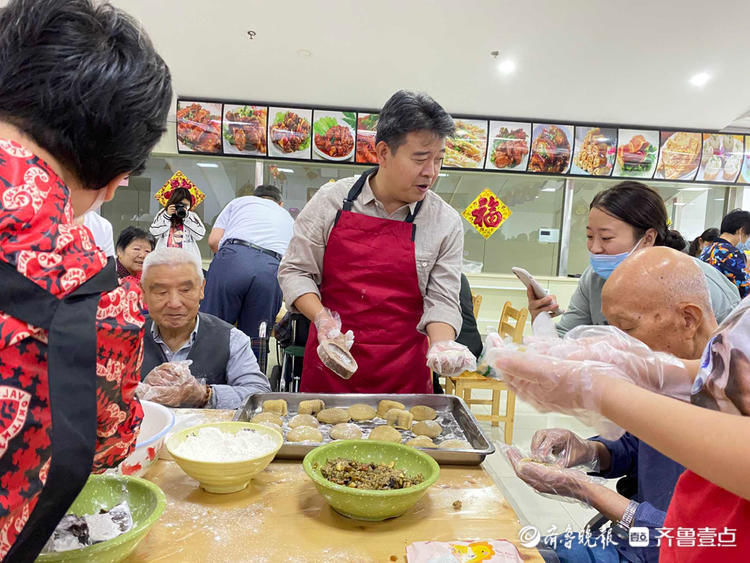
x,y
268,417
333,416
360,411
313,406
421,442
278,406
272,425
385,433
422,412
304,434
385,405
303,420
427,428
399,418
346,431
455,445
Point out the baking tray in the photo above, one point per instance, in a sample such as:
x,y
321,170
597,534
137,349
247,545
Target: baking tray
x,y
453,415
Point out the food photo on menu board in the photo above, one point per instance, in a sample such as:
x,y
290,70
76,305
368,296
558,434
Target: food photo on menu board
x,y
722,158
679,155
594,153
244,129
637,153
366,129
508,147
333,135
551,148
198,127
289,132
466,148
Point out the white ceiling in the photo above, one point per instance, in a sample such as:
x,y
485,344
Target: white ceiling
x,y
586,60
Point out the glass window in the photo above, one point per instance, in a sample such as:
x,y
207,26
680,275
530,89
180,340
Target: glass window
x,y
691,208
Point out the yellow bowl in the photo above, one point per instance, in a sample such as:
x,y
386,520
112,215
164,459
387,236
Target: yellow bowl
x,y
224,476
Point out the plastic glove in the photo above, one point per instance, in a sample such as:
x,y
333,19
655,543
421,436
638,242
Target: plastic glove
x,y
171,384
564,448
550,479
450,358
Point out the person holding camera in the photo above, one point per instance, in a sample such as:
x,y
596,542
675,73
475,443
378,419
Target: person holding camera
x,y
176,226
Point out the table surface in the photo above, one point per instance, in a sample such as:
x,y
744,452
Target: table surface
x,y
281,517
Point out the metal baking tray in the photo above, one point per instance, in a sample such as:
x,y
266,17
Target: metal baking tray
x,y
453,415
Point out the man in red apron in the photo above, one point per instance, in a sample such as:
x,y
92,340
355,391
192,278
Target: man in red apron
x,y
70,337
380,257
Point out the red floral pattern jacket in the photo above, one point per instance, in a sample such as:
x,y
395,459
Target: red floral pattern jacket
x,y
38,237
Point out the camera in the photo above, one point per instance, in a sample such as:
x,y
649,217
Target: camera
x,y
180,209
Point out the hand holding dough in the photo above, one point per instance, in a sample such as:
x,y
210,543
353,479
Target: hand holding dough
x,y
360,412
346,431
422,412
385,433
303,420
304,434
427,428
333,416
385,405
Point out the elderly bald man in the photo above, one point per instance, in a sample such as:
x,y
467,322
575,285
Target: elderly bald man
x,y
659,296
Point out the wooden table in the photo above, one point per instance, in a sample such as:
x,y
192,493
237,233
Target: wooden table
x,y
281,517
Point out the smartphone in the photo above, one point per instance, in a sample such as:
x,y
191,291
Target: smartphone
x,y
539,292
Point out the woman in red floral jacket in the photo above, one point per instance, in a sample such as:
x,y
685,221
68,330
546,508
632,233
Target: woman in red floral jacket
x,y
70,336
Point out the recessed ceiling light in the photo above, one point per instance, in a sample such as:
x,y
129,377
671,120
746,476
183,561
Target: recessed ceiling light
x,y
304,52
700,79
507,66
286,170
548,190
207,164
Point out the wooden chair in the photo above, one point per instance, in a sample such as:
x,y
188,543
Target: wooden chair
x,y
476,302
463,384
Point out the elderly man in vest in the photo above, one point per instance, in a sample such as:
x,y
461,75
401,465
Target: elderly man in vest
x,y
191,359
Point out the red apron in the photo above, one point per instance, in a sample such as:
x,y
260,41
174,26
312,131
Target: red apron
x,y
370,279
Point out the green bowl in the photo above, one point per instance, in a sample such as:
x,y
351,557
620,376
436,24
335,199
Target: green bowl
x,y
146,501
371,505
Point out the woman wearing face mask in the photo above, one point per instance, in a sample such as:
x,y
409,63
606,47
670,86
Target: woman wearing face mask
x,y
622,219
176,226
726,253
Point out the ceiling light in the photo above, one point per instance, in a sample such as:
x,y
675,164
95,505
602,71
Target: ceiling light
x,y
700,79
286,170
507,66
207,164
696,189
549,189
442,175
304,53
679,203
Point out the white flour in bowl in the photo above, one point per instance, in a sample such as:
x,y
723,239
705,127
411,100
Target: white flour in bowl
x,y
212,444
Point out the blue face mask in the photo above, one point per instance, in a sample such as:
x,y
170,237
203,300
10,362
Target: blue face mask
x,y
605,264
744,246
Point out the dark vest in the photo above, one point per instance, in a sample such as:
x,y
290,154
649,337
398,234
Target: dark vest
x,y
210,352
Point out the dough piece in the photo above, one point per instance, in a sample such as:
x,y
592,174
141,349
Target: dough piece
x,y
385,433
421,442
385,405
422,412
333,416
268,417
455,445
304,434
360,411
427,428
313,406
303,420
272,425
336,356
276,405
399,418
346,431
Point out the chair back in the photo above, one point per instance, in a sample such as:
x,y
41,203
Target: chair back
x,y
514,330
476,302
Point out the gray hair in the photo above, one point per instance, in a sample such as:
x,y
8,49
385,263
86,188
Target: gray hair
x,y
406,112
171,257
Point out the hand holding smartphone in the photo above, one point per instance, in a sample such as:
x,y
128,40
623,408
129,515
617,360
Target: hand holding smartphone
x,y
539,292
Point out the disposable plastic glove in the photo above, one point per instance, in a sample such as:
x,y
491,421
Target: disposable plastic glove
x,y
450,358
328,325
171,384
564,448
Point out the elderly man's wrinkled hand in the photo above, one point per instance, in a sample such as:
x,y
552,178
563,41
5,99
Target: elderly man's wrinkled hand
x,y
549,479
564,448
450,358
